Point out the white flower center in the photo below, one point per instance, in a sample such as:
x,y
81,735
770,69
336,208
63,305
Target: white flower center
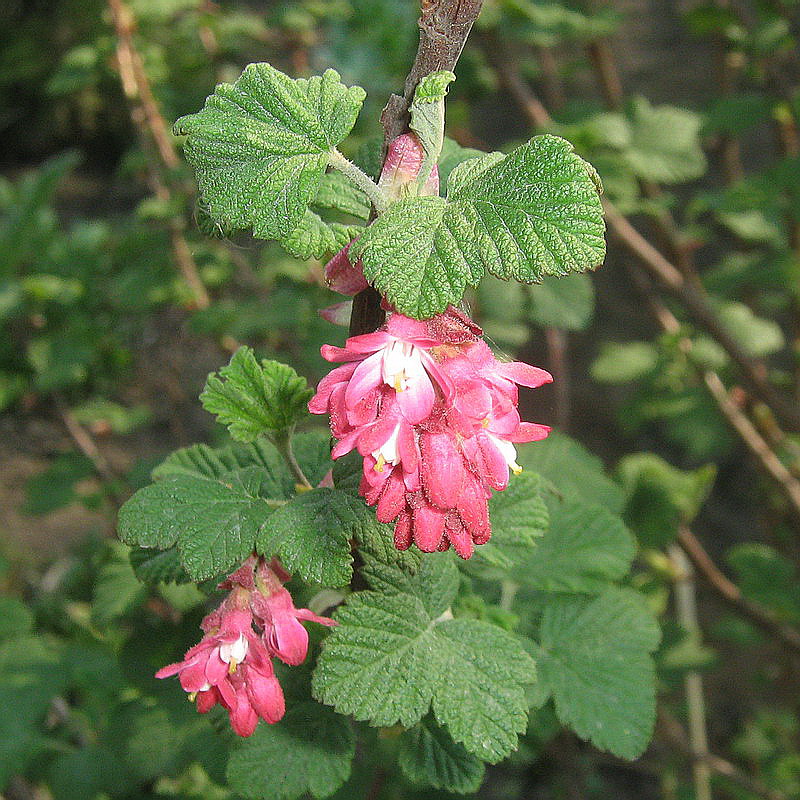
x,y
509,452
402,362
234,652
387,453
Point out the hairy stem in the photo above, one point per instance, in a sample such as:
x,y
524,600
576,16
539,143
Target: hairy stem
x,y
360,179
283,443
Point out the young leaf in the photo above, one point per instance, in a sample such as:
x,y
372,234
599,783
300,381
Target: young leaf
x,y
213,521
665,143
309,750
336,192
532,213
252,398
594,659
428,756
427,118
311,535
260,146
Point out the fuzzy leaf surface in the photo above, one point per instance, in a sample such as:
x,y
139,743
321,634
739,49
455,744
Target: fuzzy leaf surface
x,y
595,660
213,521
532,213
252,398
390,659
311,534
260,146
583,550
428,756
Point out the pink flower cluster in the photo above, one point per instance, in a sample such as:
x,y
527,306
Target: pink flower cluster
x,y
232,664
434,415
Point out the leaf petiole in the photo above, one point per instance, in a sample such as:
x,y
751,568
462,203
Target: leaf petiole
x,y
360,178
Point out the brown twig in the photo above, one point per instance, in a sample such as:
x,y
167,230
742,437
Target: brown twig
x,y
732,595
443,29
151,125
686,612
559,364
89,448
673,731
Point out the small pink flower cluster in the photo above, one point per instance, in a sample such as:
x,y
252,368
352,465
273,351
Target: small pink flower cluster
x,y
434,415
232,664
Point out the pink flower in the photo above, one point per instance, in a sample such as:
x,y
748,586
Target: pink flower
x,y
434,415
397,357
275,612
232,664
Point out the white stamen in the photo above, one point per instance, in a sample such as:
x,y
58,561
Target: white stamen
x,y
402,362
388,450
235,651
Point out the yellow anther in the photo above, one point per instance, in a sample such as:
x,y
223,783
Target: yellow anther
x,y
516,469
485,422
232,666
379,464
398,383
192,696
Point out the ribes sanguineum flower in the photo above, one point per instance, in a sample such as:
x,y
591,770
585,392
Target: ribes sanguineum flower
x,y
434,415
232,664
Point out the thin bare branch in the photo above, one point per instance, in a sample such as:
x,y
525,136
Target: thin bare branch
x,y
151,126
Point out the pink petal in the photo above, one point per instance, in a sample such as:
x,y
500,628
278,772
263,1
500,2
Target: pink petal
x,y
428,527
365,378
338,313
417,400
393,498
496,465
288,639
368,342
459,537
402,531
524,374
170,670
266,696
343,276
529,432
442,469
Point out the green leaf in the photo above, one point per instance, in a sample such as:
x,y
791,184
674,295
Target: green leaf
x,y
158,566
311,535
518,515
766,577
16,619
594,659
660,497
389,659
213,521
484,705
338,193
315,238
309,750
451,156
758,337
260,146
428,756
532,213
572,470
584,548
665,143
252,398
624,363
566,303
116,590
200,460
